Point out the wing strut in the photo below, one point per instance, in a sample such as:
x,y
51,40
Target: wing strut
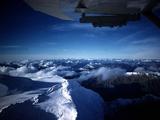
x,y
148,12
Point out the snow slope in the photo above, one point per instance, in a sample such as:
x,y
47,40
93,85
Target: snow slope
x,y
67,100
70,101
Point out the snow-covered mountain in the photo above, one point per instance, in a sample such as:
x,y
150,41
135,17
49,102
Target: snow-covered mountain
x,y
72,89
67,100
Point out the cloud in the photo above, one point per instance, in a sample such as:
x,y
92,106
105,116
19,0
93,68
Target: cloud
x,y
145,52
154,68
148,41
5,70
47,73
66,50
19,71
10,46
130,37
102,74
106,73
44,76
22,71
140,70
90,35
70,26
53,71
51,43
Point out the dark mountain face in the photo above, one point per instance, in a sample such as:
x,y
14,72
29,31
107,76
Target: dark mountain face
x,y
145,110
25,111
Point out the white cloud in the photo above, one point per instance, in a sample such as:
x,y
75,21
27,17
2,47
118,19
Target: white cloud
x,y
5,70
106,73
102,74
149,41
22,71
140,70
131,37
49,74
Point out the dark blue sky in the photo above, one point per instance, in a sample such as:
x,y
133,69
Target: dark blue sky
x,y
25,33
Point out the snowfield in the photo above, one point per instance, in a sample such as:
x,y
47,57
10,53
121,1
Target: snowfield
x,y
67,100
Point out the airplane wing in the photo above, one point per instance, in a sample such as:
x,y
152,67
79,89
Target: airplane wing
x,y
101,12
116,12
50,7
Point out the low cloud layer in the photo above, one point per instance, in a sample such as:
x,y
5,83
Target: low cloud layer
x,y
45,75
56,70
106,73
102,74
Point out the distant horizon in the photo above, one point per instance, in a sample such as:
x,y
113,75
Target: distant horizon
x,y
56,58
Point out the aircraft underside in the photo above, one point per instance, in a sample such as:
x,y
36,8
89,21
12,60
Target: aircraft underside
x,y
99,12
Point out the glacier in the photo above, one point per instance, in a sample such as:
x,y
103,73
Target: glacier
x,y
67,100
